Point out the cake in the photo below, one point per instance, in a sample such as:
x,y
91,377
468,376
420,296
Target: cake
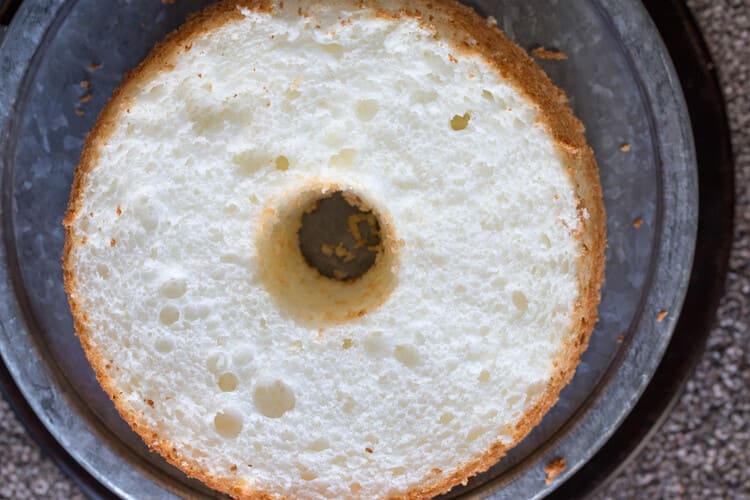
x,y
271,348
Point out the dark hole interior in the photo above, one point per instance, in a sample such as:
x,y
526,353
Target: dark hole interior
x,y
339,238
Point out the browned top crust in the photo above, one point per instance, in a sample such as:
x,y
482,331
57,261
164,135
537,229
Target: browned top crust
x,y
469,34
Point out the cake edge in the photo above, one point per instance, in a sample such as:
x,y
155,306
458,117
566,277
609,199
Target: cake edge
x,y
469,34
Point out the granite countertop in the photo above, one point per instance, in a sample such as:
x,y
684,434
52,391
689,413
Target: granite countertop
x,y
703,449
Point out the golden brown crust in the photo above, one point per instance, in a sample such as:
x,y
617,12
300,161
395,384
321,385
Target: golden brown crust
x,y
552,55
554,469
470,35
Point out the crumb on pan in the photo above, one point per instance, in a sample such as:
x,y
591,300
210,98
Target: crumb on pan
x,y
625,148
85,84
637,223
553,55
662,314
553,469
93,66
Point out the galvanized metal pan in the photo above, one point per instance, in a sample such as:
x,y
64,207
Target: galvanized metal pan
x,y
700,84
621,83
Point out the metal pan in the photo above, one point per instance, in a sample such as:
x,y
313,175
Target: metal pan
x,y
621,84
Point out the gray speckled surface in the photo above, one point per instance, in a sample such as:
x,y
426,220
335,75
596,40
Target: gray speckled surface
x,y
702,450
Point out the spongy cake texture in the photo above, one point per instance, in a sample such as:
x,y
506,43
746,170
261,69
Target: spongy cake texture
x,y
489,295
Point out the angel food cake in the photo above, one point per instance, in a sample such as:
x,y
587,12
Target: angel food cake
x,y
238,340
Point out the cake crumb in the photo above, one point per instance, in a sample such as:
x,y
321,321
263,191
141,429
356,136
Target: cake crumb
x,y
233,468
119,210
368,449
343,253
113,242
282,163
347,344
85,84
660,317
460,122
93,66
79,112
625,148
170,2
150,402
452,59
553,469
353,222
552,55
620,339
84,99
637,223
491,21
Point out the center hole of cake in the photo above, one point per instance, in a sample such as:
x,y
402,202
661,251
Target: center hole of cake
x,y
340,236
327,254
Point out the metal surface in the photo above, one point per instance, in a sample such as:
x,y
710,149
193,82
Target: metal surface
x,y
708,116
621,85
